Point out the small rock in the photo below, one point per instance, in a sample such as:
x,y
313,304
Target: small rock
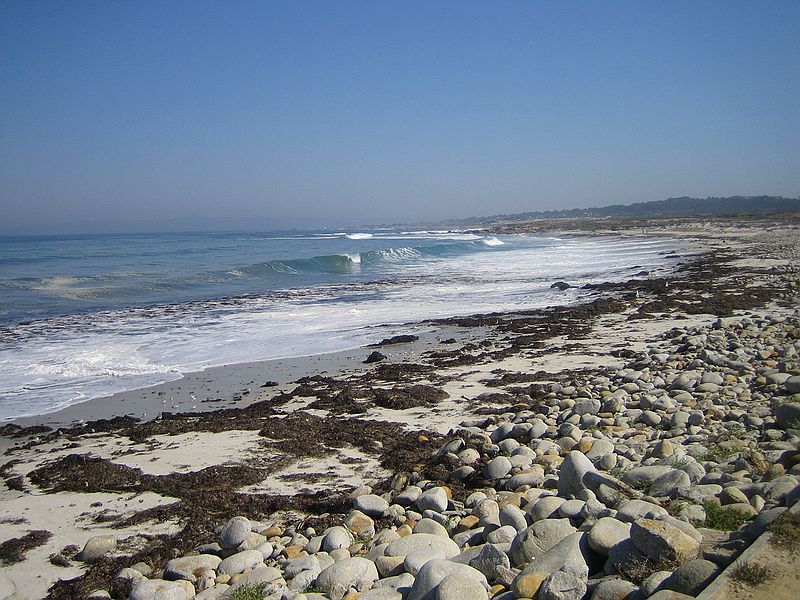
x,y
96,547
562,586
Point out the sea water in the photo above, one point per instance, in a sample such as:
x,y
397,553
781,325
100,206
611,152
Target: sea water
x,y
87,316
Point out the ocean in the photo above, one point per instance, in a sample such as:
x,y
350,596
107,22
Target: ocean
x,y
83,317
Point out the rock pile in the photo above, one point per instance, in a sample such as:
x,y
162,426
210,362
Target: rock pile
x,y
615,484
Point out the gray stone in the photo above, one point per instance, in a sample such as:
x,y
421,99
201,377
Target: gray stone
x,y
643,477
430,526
435,571
570,475
570,555
668,483
535,540
792,384
787,415
659,540
237,563
692,577
408,495
498,467
586,407
371,505
456,587
419,558
488,560
357,572
544,507
640,509
190,568
562,586
606,533
422,541
157,589
235,531
501,535
654,583
96,547
613,589
434,499
295,566
337,537
533,477
514,516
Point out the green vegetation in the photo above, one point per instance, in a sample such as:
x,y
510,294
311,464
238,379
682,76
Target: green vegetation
x,y
249,591
722,518
786,531
719,452
751,573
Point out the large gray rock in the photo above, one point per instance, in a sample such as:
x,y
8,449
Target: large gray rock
x,y
488,560
498,467
692,577
669,483
456,587
562,586
661,541
414,562
434,572
434,499
613,589
191,568
544,507
606,533
237,563
235,531
792,384
294,567
422,541
535,540
570,475
513,516
157,589
788,414
371,505
337,537
356,572
643,477
570,555
97,546
640,509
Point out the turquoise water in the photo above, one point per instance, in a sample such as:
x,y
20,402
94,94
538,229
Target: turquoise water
x,y
86,316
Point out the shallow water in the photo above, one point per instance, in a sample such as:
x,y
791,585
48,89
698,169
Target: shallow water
x,y
87,316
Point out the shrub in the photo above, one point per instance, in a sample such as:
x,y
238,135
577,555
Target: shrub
x,y
722,518
751,573
249,591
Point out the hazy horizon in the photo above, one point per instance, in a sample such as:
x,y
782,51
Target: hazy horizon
x,y
191,116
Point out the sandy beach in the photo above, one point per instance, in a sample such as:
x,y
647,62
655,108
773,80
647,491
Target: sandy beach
x,y
291,444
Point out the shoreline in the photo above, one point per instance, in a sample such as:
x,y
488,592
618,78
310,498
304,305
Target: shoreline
x,y
484,374
66,413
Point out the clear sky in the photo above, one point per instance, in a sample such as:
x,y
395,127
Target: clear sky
x,y
143,116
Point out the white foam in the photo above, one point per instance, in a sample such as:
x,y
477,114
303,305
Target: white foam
x,y
358,236
96,355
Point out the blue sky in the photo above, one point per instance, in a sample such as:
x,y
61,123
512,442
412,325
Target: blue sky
x,y
131,116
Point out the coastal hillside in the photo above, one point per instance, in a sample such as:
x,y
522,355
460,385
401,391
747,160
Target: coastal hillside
x,y
684,206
